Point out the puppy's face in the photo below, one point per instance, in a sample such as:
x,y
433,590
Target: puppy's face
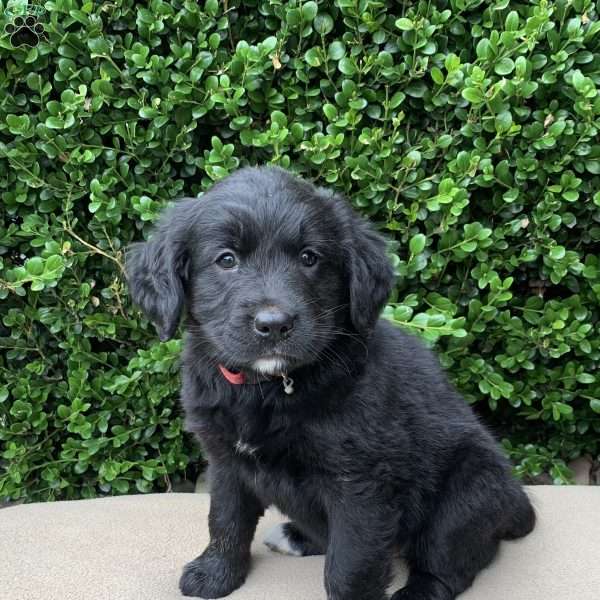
x,y
266,277
270,269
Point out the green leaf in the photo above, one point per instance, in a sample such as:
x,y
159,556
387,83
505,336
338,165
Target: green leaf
x,y
473,95
437,76
336,50
323,24
510,195
397,99
504,66
312,57
503,121
417,243
18,124
98,45
35,266
484,49
585,378
557,252
444,141
54,123
330,111
309,10
571,195
416,89
404,24
347,66
147,112
512,21
211,7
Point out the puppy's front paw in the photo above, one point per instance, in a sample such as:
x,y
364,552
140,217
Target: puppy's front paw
x,y
435,591
212,575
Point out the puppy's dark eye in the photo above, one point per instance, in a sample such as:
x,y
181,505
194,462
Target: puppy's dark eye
x,y
309,258
227,260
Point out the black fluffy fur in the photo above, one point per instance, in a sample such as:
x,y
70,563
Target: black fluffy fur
x,y
373,451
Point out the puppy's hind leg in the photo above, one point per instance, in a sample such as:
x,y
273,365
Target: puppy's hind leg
x,y
475,509
520,520
286,538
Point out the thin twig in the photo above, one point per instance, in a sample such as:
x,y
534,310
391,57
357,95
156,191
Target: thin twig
x,y
95,249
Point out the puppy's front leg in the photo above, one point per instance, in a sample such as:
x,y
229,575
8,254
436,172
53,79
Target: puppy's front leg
x,y
234,513
359,552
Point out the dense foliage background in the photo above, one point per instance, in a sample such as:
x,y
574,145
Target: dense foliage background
x,y
468,130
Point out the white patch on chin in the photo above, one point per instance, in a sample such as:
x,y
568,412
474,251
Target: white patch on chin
x,y
277,541
269,366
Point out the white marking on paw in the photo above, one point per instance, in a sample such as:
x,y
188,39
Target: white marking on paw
x,y
269,366
277,541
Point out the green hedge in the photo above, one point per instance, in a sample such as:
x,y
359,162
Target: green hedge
x,y
467,129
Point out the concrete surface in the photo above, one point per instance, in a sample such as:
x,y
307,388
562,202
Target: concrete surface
x,y
133,547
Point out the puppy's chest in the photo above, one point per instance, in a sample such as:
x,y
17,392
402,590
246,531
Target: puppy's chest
x,y
279,461
259,433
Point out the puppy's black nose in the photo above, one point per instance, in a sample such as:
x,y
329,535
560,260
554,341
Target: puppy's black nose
x,y
273,323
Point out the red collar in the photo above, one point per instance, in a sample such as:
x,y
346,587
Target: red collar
x,y
240,378
234,378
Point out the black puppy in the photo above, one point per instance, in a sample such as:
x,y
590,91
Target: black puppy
x,y
304,400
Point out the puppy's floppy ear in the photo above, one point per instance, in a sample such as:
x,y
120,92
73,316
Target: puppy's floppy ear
x,y
157,270
370,273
